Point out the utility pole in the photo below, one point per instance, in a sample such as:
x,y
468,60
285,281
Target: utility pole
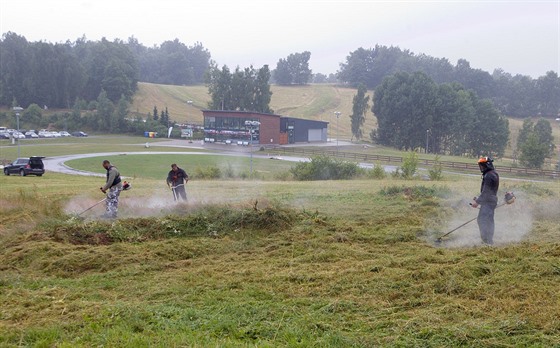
x,y
17,109
251,125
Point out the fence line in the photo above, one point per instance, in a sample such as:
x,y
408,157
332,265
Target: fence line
x,y
395,159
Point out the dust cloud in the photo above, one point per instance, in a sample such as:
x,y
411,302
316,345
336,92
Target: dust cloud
x,y
158,202
513,222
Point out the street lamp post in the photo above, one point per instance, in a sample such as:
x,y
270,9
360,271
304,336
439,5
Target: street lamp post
x,y
17,109
558,164
251,125
337,113
427,137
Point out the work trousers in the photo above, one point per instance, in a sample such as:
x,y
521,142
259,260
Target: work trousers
x,y
485,222
112,202
179,192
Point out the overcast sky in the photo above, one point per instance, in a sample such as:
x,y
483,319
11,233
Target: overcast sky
x,y
520,37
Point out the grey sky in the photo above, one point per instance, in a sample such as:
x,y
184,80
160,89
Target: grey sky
x,y
521,37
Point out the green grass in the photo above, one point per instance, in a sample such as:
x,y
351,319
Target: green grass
x,y
267,263
94,144
270,264
158,165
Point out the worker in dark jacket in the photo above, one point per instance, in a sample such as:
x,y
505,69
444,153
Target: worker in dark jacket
x,y
112,188
177,178
487,200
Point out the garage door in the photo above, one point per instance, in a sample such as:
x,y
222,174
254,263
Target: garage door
x,y
314,135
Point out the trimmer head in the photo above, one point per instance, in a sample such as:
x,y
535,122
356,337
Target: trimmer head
x,y
509,198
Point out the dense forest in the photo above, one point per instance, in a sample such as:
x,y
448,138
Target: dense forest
x,y
58,75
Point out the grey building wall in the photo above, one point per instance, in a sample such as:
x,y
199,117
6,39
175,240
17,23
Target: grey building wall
x,y
300,129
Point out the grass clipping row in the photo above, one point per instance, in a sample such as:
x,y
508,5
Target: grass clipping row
x,y
211,221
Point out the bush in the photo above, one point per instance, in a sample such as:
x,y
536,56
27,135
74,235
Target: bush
x,y
324,168
207,172
229,172
377,172
436,171
408,169
282,176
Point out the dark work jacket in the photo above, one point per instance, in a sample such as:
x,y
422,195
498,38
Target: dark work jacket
x,y
489,188
177,178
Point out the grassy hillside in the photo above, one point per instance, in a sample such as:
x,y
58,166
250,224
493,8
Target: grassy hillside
x,y
315,102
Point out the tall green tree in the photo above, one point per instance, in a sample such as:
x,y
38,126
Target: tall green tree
x,y
360,105
411,107
294,69
262,94
219,88
121,112
490,134
15,59
548,94
31,116
105,119
535,143
282,74
452,120
404,105
244,90
155,114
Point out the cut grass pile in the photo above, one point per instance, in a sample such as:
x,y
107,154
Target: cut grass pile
x,y
322,264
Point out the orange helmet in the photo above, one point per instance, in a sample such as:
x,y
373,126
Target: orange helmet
x,y
485,164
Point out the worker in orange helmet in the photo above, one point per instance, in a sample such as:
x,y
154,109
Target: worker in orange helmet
x,y
487,200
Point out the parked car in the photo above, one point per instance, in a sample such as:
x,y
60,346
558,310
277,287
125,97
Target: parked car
x,y
18,135
79,134
64,134
45,134
31,135
4,135
26,166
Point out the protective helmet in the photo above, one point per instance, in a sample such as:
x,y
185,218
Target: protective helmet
x,y
485,163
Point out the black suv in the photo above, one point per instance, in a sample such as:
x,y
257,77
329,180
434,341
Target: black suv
x,y
26,166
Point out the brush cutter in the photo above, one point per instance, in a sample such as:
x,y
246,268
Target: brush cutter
x,y
508,199
93,206
126,187
175,193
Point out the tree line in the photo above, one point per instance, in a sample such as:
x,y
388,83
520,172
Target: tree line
x,y
57,75
516,96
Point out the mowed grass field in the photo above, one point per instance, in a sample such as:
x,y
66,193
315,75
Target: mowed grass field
x,y
269,263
